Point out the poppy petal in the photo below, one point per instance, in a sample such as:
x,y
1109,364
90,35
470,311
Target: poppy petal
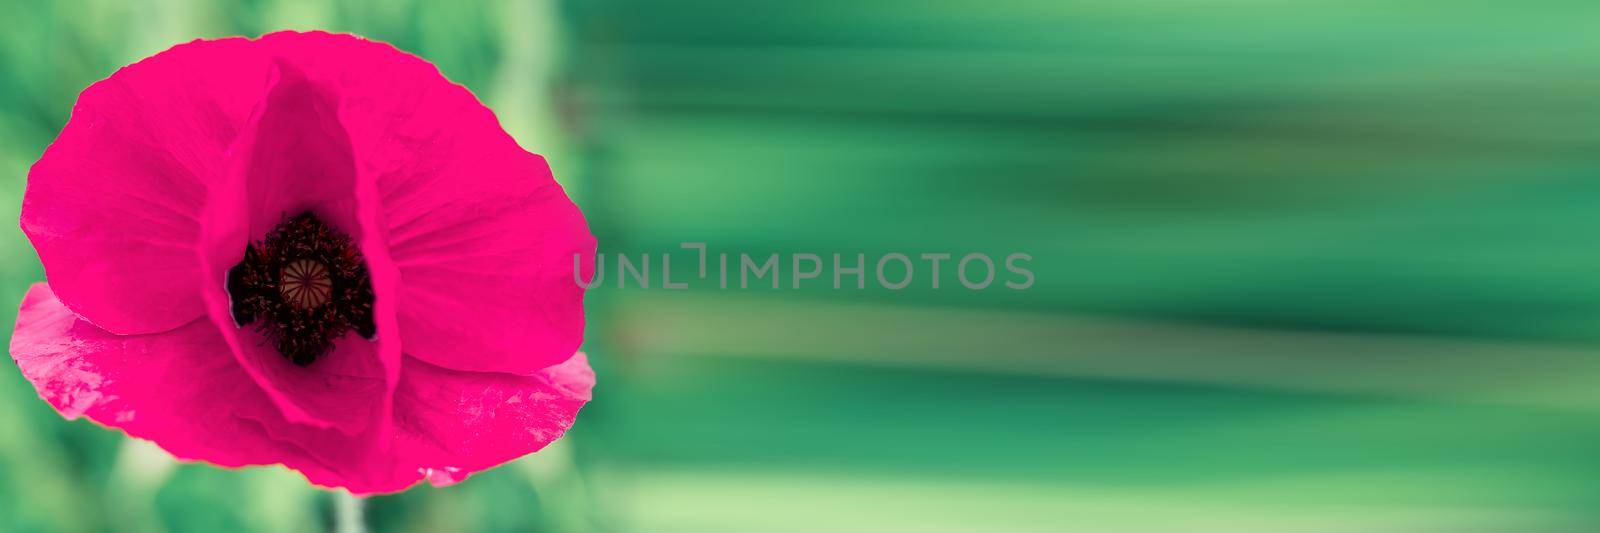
x,y
450,423
113,206
488,282
481,236
181,388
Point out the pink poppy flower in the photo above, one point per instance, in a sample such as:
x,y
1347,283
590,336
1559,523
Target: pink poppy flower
x,y
306,249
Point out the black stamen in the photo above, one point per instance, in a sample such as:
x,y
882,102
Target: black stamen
x,y
306,283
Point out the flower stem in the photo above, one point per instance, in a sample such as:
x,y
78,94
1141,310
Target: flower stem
x,y
347,513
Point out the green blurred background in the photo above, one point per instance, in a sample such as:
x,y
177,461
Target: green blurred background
x,y
1301,266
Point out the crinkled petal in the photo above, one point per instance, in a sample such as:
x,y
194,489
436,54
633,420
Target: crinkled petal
x,y
113,206
181,388
481,236
450,423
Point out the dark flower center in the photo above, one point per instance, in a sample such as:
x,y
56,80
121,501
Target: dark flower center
x,y
303,286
